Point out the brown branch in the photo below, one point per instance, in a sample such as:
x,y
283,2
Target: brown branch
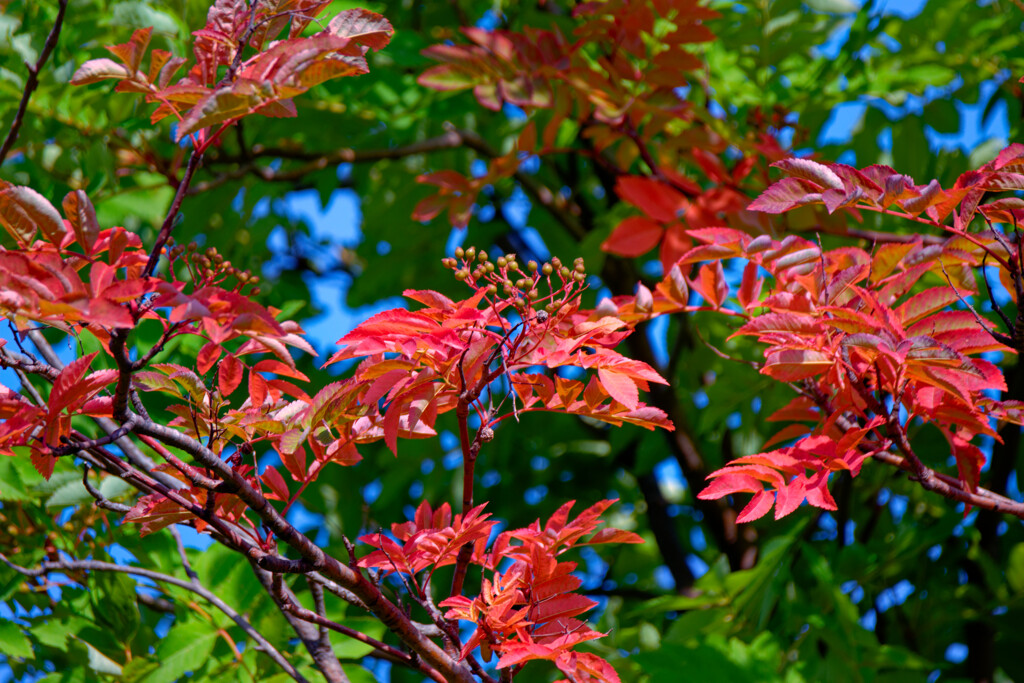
x,y
383,650
326,661
246,163
95,565
155,604
101,500
317,559
875,236
32,82
194,161
563,210
469,453
144,360
943,484
343,593
30,366
953,488
49,370
230,535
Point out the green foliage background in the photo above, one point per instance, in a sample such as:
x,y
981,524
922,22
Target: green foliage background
x,y
897,585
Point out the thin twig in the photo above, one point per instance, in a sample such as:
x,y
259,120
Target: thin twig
x,y
101,500
185,564
383,650
95,565
343,593
313,555
32,82
194,161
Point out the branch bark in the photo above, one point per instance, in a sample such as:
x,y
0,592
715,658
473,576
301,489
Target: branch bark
x,y
32,82
195,587
392,617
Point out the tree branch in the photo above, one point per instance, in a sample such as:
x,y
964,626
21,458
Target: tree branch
x,y
325,658
385,651
32,82
386,611
101,501
246,163
953,488
95,565
194,161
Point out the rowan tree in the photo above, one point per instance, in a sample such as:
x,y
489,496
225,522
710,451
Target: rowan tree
x,y
604,282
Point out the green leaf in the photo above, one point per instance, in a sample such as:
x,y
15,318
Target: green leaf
x,y
230,575
54,633
347,648
114,603
186,648
96,660
70,493
16,475
1015,568
13,642
833,6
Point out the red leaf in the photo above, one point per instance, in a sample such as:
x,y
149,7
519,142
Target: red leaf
x,y
1011,156
295,463
258,390
749,292
23,211
657,200
727,483
789,365
43,462
633,237
132,52
207,356
620,387
273,479
67,386
279,368
786,194
343,452
819,174
229,374
711,284
927,197
448,76
96,70
789,498
929,301
887,257
561,606
758,506
428,208
363,27
614,536
82,216
776,323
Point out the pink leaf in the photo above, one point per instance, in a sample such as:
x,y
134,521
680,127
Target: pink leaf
x,y
363,27
620,387
23,211
786,194
229,374
758,506
819,174
656,199
633,237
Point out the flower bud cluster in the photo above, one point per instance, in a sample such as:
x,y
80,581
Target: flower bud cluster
x,y
209,267
520,284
